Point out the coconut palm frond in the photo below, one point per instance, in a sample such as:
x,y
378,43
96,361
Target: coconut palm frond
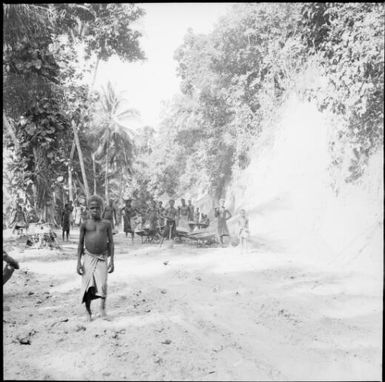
x,y
100,149
124,129
115,133
127,113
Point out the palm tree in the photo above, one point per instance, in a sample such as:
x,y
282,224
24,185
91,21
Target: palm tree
x,y
115,134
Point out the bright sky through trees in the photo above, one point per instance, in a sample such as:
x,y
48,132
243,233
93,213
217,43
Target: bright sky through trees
x,y
147,83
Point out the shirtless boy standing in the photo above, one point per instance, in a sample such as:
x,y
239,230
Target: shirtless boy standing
x,y
96,242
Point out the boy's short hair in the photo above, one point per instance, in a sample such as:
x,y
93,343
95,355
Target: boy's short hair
x,y
97,199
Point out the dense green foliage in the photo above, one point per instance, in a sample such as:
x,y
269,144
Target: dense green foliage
x,y
46,97
234,79
348,39
43,132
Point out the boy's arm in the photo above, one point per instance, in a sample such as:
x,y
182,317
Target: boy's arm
x,y
9,260
110,247
81,247
229,215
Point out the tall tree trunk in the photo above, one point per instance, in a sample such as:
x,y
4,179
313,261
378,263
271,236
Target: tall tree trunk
x,y
121,193
84,176
54,208
94,171
71,195
94,77
75,190
70,168
34,191
81,186
106,176
45,213
76,137
72,151
121,184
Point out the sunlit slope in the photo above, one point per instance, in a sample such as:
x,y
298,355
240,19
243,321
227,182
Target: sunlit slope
x,y
292,208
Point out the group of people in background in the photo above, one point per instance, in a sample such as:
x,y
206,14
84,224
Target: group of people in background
x,y
148,215
154,216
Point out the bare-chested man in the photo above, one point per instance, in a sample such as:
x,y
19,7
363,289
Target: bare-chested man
x,y
97,245
171,215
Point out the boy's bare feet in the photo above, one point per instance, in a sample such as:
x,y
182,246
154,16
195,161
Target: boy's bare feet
x,y
88,317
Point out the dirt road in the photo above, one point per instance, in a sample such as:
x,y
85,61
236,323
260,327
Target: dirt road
x,y
187,313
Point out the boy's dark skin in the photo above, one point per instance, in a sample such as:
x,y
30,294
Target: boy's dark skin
x,y
96,237
12,264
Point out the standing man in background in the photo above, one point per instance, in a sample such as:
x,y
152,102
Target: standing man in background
x,y
190,216
222,214
70,208
66,221
109,213
19,220
171,214
129,212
